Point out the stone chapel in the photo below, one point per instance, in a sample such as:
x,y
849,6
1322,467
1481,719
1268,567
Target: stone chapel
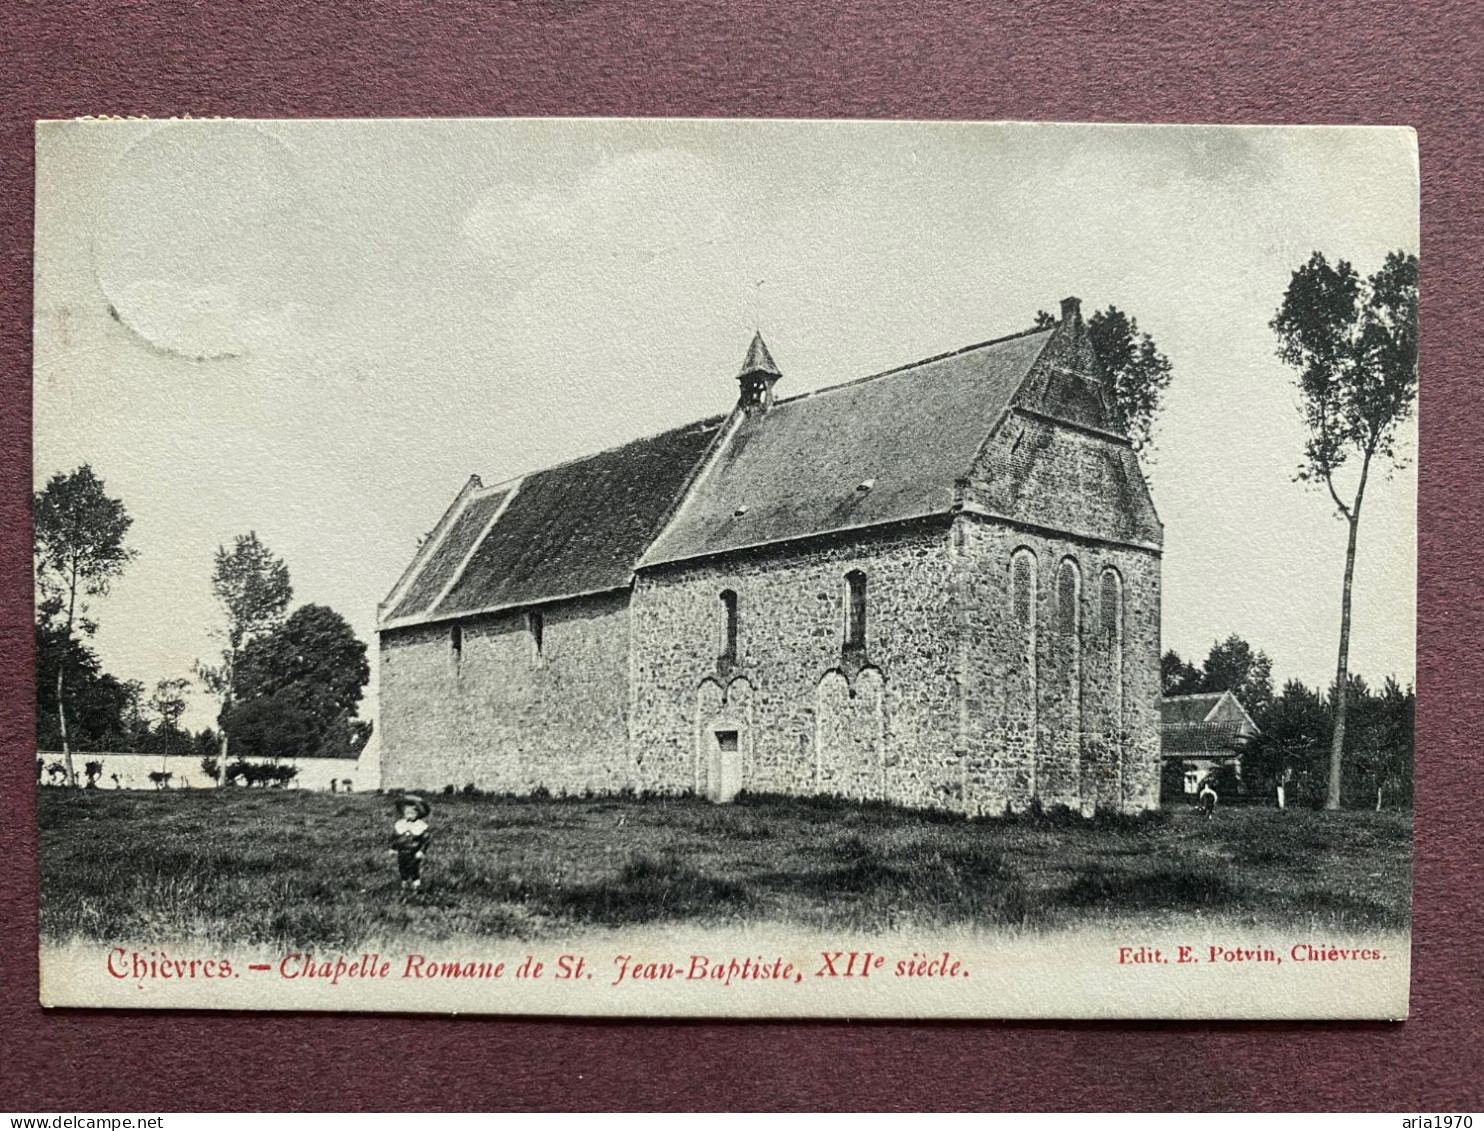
x,y
936,586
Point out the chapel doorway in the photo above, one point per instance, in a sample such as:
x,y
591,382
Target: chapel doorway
x,y
724,772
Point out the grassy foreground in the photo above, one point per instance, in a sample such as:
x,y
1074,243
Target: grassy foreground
x,y
298,869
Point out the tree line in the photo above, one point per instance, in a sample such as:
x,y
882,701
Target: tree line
x,y
289,683
1298,725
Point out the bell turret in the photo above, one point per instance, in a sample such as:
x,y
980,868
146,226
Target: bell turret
x,y
759,374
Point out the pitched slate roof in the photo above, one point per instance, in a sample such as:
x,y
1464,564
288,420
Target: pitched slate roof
x,y
1208,723
576,528
882,449
430,581
1188,710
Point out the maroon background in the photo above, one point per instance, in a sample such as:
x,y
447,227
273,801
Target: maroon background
x,y
1416,64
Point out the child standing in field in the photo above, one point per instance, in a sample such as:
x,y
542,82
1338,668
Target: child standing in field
x,y
410,835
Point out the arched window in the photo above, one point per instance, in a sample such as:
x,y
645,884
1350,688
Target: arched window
x,y
1023,589
1069,627
1110,607
456,642
1023,584
855,610
729,626
1067,584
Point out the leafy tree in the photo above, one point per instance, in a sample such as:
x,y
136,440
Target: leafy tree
x,y
78,551
1296,731
1392,752
1378,743
1178,676
101,708
253,587
298,688
1233,666
360,734
169,703
135,734
1139,373
1354,344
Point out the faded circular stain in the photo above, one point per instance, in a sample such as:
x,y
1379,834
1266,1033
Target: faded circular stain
x,y
196,245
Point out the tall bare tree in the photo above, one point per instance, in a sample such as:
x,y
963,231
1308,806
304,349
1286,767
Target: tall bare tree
x,y
78,551
252,584
1354,344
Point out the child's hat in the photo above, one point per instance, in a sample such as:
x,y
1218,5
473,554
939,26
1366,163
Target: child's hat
x,y
418,803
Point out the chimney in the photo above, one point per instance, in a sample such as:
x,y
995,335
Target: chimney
x,y
757,377
1071,310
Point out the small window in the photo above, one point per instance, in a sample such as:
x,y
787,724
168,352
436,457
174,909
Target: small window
x,y
855,610
456,642
729,625
536,627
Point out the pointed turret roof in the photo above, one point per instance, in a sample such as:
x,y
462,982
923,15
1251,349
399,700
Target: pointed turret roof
x,y
758,359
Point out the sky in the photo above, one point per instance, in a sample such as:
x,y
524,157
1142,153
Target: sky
x,y
317,330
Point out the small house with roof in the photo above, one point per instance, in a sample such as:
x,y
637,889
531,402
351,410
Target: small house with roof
x,y
936,586
1200,734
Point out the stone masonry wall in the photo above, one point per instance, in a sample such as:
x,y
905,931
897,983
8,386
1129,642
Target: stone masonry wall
x,y
1096,724
948,706
811,716
500,716
1072,719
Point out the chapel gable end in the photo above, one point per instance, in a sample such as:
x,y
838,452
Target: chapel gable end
x,y
1059,459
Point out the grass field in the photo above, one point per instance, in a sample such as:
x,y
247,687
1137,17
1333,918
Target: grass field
x,y
296,868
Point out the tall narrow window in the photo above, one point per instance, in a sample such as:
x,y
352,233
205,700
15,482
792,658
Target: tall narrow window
x,y
855,610
1110,604
729,626
1069,625
536,628
1023,606
456,643
1023,589
1066,601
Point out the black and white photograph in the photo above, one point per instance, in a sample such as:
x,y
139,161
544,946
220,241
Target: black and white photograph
x,y
726,568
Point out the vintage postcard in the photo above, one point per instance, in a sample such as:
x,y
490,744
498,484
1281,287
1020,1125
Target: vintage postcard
x,y
726,568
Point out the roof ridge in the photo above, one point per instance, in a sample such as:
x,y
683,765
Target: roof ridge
x,y
719,418
915,364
